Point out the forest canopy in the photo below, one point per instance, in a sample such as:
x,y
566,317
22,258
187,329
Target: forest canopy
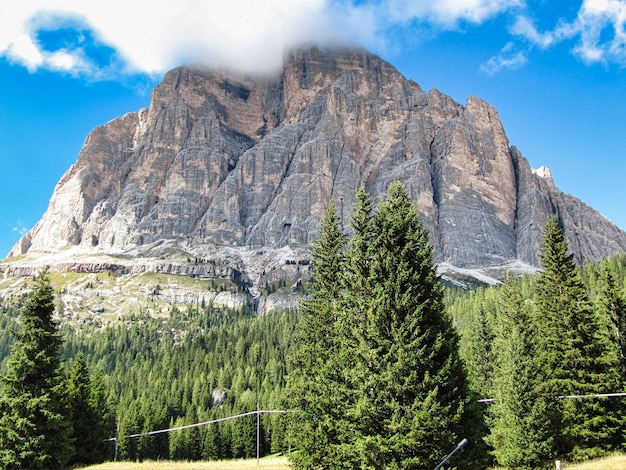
x,y
379,345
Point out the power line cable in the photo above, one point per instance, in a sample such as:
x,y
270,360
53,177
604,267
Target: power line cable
x,y
189,426
595,395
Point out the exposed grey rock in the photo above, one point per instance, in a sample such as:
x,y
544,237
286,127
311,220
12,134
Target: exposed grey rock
x,y
222,160
274,302
218,397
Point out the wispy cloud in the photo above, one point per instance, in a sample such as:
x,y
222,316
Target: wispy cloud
x,y
151,39
104,39
251,34
247,34
602,26
598,32
507,59
524,27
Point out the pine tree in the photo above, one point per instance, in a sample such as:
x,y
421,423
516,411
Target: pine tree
x,y
574,355
130,423
351,322
213,446
35,431
517,431
476,348
357,255
316,329
89,415
311,385
409,408
613,307
178,440
389,390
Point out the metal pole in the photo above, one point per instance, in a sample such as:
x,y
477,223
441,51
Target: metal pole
x,y
461,444
117,438
258,415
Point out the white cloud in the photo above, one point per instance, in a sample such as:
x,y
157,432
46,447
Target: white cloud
x,y
138,37
250,34
599,30
240,33
507,59
602,25
154,37
524,27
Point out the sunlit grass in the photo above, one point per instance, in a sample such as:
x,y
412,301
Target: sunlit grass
x,y
613,462
267,463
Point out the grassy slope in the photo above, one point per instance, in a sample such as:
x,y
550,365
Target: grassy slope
x,y
615,462
267,463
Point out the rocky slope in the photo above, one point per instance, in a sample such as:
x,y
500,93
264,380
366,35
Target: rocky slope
x,y
235,169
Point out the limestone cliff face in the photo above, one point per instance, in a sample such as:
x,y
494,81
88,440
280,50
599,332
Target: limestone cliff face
x,y
220,159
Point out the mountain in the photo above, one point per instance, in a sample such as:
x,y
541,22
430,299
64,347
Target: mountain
x,y
228,175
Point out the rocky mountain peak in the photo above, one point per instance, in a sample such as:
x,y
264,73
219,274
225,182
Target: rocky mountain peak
x,y
222,161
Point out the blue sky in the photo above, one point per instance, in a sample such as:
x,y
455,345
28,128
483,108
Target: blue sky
x,y
554,70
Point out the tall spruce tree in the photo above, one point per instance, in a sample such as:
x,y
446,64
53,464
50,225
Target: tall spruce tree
x,y
351,322
517,431
35,431
313,386
359,243
613,307
89,415
476,348
410,395
378,382
574,356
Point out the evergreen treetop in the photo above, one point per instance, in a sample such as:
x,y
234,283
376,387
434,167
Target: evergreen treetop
x,y
574,354
395,394
614,307
89,414
35,431
312,385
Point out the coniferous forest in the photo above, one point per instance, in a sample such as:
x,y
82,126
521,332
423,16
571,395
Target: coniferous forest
x,y
382,366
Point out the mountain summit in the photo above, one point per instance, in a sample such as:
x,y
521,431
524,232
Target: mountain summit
x,y
222,165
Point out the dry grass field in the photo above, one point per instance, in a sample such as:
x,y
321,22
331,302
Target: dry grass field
x,y
615,462
266,463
